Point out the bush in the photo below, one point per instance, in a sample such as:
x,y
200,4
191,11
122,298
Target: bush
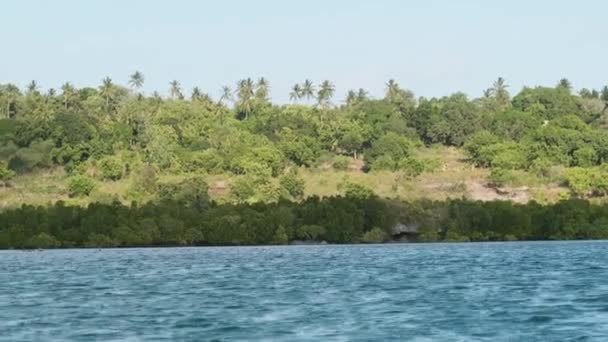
x,y
110,168
413,167
190,192
5,173
144,180
243,188
208,160
385,162
310,232
80,185
280,236
341,163
376,235
500,177
293,184
42,240
356,190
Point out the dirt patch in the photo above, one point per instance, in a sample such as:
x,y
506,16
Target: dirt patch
x,y
479,191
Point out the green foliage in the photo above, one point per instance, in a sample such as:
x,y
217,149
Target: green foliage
x,y
144,180
376,235
341,163
192,191
500,177
293,184
111,168
355,190
475,145
391,147
42,240
5,173
80,185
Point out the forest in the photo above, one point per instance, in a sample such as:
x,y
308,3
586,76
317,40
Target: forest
x,y
114,166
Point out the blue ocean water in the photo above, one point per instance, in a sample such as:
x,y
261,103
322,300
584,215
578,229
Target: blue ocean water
x,y
532,291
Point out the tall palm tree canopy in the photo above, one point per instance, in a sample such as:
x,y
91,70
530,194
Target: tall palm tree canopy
x,y
176,90
136,80
296,93
308,90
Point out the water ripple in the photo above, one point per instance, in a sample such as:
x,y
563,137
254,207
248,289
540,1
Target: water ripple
x,y
440,292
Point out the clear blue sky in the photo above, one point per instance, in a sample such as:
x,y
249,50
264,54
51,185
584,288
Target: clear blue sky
x,y
432,47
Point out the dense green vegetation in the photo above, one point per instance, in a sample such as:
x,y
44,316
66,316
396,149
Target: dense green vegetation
x,y
185,217
164,150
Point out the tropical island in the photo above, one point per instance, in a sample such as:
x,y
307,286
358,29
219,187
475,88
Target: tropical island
x,y
112,166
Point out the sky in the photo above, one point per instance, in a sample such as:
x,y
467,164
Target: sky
x,y
433,47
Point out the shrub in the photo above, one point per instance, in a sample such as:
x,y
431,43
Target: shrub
x,y
243,188
190,192
356,190
376,235
110,168
500,177
144,180
208,160
310,232
385,162
293,184
412,166
80,185
5,173
42,240
280,236
341,163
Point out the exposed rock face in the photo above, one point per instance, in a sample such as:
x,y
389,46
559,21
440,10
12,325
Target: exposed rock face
x,y
405,229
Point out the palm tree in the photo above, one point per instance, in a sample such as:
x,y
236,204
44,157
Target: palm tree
x,y
12,92
564,83
604,97
176,90
51,92
351,97
245,96
362,95
196,94
68,94
308,90
296,93
262,89
106,90
325,93
136,80
226,94
500,92
32,87
393,90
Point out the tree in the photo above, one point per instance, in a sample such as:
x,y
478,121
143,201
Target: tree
x,y
296,93
32,88
308,90
80,185
175,91
136,80
565,84
196,94
325,93
604,97
6,174
245,95
392,90
226,94
501,94
106,90
68,94
262,89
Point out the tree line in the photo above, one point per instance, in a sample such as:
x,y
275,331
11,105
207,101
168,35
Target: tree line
x,y
185,217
